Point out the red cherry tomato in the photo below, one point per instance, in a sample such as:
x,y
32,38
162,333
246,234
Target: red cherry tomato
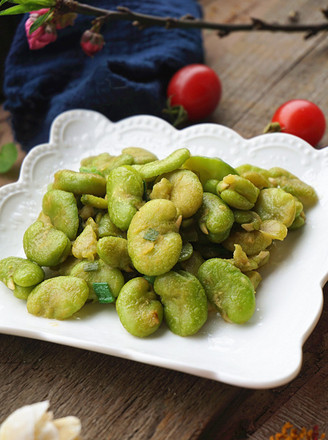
x,y
301,118
196,88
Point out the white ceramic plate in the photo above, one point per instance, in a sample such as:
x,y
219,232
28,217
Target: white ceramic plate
x,y
267,351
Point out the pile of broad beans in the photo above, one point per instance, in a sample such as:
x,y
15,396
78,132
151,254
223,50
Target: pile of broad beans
x,y
167,239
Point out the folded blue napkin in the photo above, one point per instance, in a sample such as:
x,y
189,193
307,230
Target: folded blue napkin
x,y
128,77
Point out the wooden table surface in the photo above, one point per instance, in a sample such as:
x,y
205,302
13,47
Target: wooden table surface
x,y
120,399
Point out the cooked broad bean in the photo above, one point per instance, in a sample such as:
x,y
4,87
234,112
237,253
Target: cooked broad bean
x,y
252,242
140,155
20,275
79,183
172,162
208,168
258,176
94,201
139,310
58,298
154,242
61,207
215,218
124,192
276,204
106,227
184,301
45,244
285,180
114,251
98,272
193,263
249,220
228,289
238,192
186,252
183,189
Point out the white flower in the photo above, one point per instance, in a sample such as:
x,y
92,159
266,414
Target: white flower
x,y
34,422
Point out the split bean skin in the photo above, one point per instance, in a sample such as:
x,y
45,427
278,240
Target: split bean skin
x,y
154,242
228,289
138,307
184,301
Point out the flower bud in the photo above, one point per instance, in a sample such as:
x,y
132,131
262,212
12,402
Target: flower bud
x,y
92,42
43,35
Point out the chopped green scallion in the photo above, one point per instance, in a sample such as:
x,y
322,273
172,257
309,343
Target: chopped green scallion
x,y
103,292
151,234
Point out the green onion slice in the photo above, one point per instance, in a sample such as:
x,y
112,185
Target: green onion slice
x,y
151,234
103,293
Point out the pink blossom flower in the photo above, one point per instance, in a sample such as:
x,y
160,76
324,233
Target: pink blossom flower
x,y
43,35
65,20
92,42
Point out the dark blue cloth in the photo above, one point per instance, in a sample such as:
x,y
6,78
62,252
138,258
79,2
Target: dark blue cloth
x,y
129,76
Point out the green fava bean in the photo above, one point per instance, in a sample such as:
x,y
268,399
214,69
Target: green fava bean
x,y
94,201
215,218
138,308
249,220
211,185
252,242
118,161
184,301
276,204
114,252
140,155
124,191
208,168
172,162
258,176
154,242
293,185
186,252
186,191
228,289
193,263
20,275
106,227
62,210
238,192
80,183
58,298
45,245
100,161
98,272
